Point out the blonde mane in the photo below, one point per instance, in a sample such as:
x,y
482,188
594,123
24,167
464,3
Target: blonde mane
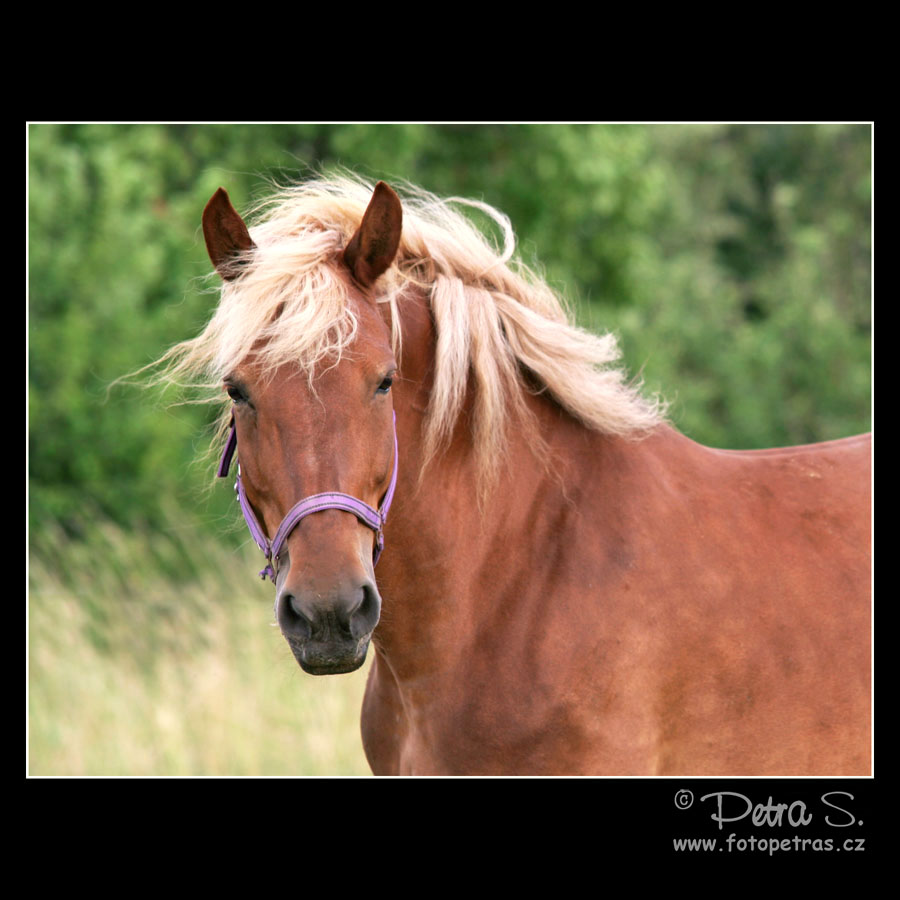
x,y
496,321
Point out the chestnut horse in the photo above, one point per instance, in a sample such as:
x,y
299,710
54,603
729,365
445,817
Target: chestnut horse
x,y
568,585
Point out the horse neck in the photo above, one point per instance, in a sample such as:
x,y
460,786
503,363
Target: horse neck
x,y
447,549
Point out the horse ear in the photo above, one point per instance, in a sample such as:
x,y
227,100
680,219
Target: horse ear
x,y
372,249
226,235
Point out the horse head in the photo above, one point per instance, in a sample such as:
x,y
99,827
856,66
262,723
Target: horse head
x,y
317,449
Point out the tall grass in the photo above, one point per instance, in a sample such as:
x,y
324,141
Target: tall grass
x,y
134,672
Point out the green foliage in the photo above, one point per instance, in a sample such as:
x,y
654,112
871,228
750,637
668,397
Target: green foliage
x,y
733,261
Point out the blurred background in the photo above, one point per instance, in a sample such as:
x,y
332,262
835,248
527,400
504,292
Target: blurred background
x,y
733,261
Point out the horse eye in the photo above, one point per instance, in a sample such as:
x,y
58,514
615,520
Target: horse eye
x,y
385,385
236,394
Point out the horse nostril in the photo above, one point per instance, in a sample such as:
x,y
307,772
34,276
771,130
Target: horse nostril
x,y
291,618
366,613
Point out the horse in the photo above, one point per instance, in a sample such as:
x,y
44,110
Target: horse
x,y
565,583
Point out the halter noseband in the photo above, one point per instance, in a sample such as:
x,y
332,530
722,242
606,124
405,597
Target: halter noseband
x,y
373,518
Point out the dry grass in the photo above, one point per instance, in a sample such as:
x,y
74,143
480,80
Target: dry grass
x,y
132,673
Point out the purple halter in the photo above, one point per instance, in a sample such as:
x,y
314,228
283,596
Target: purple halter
x,y
373,518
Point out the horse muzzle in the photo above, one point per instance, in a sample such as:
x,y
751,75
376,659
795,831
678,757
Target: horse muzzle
x,y
328,628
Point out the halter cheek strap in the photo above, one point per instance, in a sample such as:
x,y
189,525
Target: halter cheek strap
x,y
373,518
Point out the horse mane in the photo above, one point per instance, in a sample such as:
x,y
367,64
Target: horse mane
x,y
496,321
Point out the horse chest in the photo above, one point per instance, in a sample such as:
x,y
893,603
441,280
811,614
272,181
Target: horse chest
x,y
479,722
